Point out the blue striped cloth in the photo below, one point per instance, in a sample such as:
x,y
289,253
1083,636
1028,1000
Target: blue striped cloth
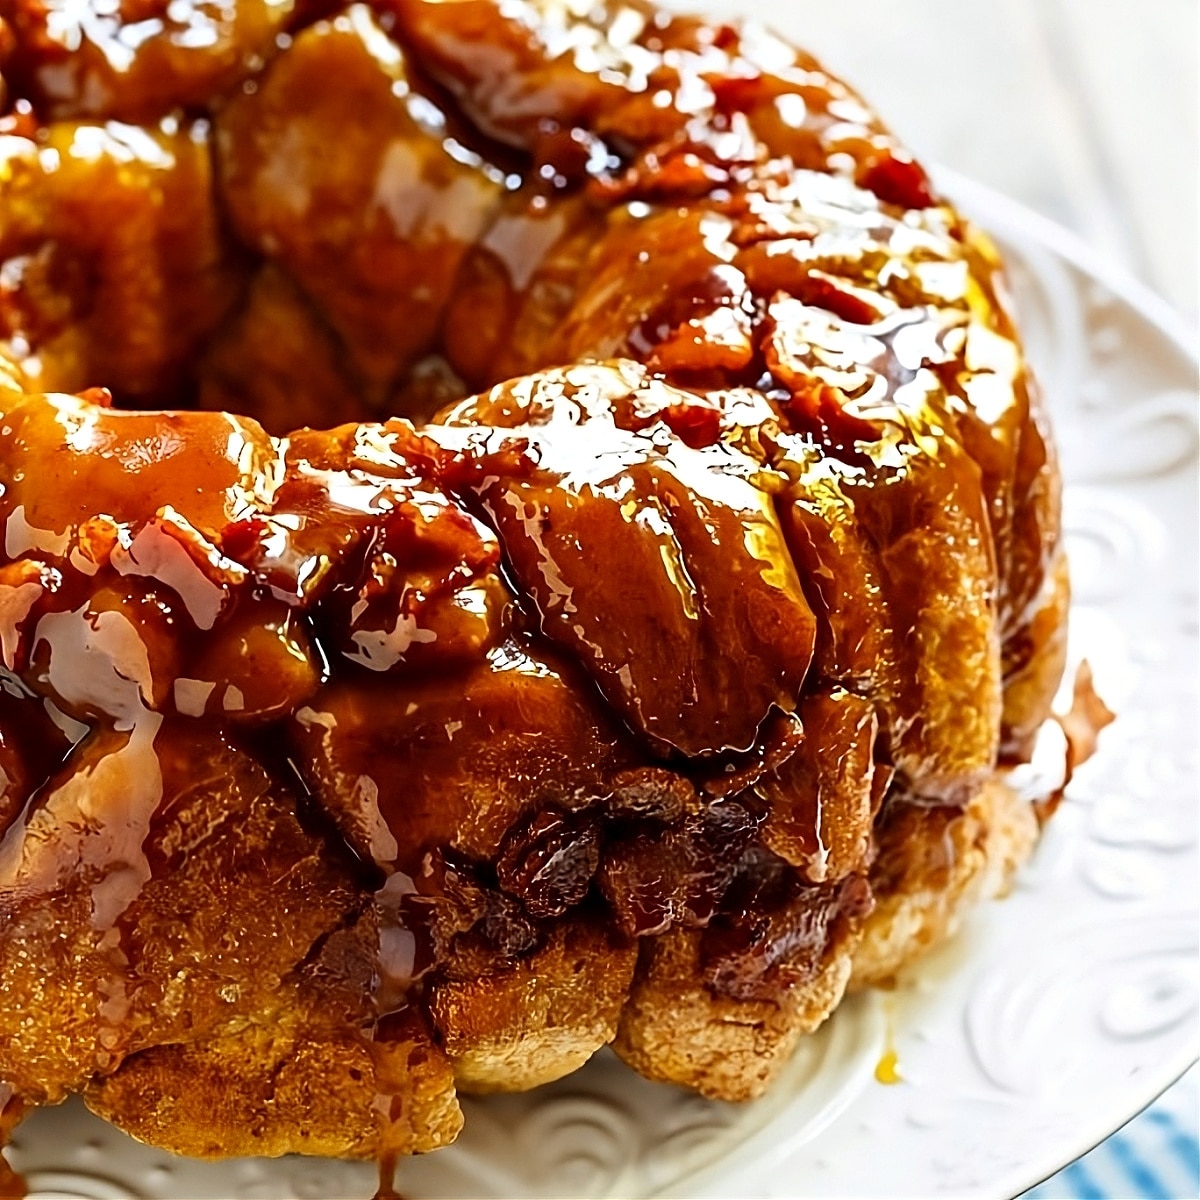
x,y
1155,1157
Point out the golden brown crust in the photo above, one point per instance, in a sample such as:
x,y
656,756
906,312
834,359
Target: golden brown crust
x,y
1037,657
397,211
935,864
277,358
541,1019
279,1088
222,898
675,1029
123,268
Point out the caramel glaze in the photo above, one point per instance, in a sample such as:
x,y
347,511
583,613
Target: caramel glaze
x,y
762,528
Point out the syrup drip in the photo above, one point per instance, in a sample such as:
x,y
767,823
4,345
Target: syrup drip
x,y
389,1164
12,1109
397,1053
887,1069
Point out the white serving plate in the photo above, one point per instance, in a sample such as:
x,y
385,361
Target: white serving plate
x,y
1054,1017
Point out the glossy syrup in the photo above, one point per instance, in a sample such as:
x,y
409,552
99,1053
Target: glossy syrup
x,y
12,1109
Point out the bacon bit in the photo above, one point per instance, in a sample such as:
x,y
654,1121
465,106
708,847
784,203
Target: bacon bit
x,y
780,267
567,153
725,37
239,539
753,228
687,173
24,570
21,124
736,93
822,291
452,540
101,397
897,179
515,457
171,550
30,21
815,403
133,12
695,424
1081,724
98,537
214,565
718,341
429,459
673,174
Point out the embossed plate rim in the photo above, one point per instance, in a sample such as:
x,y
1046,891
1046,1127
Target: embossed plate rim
x,y
996,210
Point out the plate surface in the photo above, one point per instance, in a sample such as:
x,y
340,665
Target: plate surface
x,y
1054,1017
